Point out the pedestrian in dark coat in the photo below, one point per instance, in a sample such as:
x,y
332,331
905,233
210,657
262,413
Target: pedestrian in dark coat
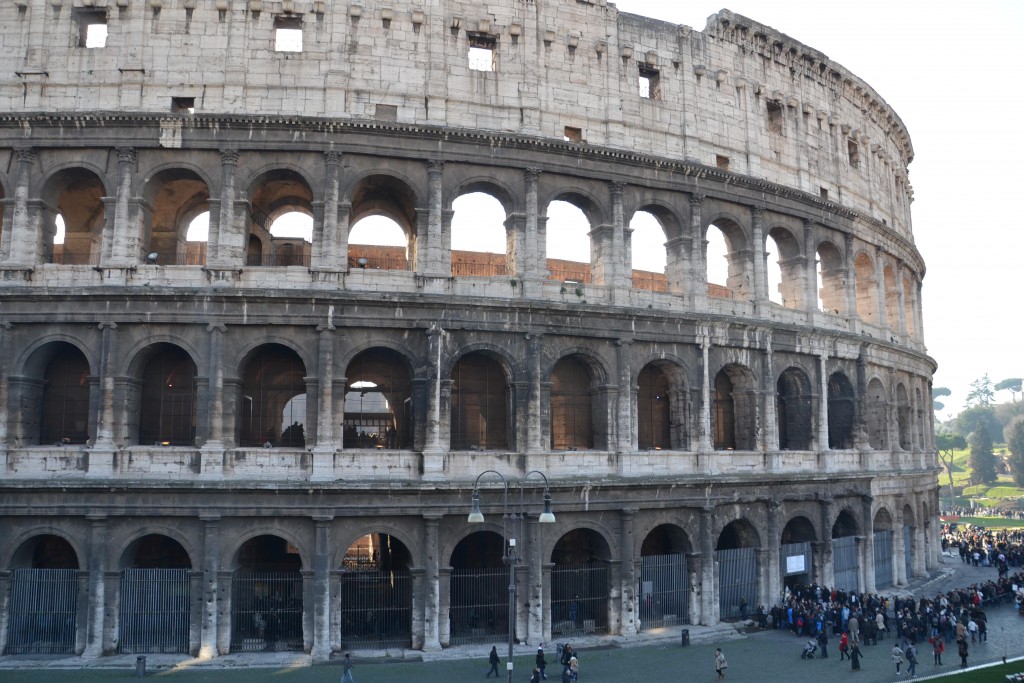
x,y
962,651
855,656
541,662
495,660
823,642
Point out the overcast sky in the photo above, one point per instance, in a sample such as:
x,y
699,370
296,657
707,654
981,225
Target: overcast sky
x,y
953,72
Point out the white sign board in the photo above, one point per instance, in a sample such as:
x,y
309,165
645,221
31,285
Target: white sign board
x,y
795,564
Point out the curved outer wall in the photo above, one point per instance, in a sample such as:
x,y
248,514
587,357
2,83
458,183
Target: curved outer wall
x,y
787,423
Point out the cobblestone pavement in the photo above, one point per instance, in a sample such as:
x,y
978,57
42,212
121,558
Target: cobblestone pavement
x,y
755,657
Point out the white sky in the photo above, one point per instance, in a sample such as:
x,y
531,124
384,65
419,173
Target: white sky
x,y
954,72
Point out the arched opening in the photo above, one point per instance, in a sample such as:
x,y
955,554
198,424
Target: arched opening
x,y
654,409
571,405
875,420
786,275
726,243
903,417
831,279
716,259
845,554
266,597
292,238
167,409
779,290
842,412
867,288
568,246
796,556
383,225
273,195
479,590
479,408
664,590
649,255
178,223
43,599
479,240
77,196
736,559
892,300
273,399
793,408
56,410
378,401
884,550
154,600
580,584
376,594
734,409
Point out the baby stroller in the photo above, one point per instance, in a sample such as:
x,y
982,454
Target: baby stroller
x,y
809,649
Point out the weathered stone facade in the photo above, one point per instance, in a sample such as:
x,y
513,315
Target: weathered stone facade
x,y
707,425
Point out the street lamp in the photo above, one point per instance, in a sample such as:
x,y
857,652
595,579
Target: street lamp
x,y
508,555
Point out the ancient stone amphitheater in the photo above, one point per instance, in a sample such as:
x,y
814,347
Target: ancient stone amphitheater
x,y
242,440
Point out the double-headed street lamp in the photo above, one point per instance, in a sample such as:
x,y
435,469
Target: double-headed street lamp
x,y
509,521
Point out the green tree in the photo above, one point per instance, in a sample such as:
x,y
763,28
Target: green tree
x,y
947,443
1012,385
1015,441
981,393
937,393
983,460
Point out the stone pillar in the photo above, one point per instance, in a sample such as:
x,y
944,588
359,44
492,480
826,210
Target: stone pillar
x,y
768,391
433,450
322,588
418,607
705,444
326,255
630,611
535,598
823,402
224,581
212,451
763,556
97,596
124,244
101,454
434,261
810,269
20,245
709,586
624,421
678,252
219,245
828,568
694,572
899,556
533,268
534,429
431,588
851,277
326,441
697,277
761,295
211,569
773,551
5,344
904,331
869,546
918,318
883,316
621,273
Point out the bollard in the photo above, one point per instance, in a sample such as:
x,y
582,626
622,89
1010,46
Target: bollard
x,y
140,667
686,637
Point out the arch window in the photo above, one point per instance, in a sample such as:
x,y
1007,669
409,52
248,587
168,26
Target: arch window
x,y
383,225
580,589
785,272
292,236
903,417
892,301
178,223
479,240
734,412
376,593
65,399
77,194
716,259
273,400
155,597
793,401
875,419
479,412
648,251
867,288
168,406
478,589
908,306
796,557
279,194
831,279
42,609
842,411
266,597
664,588
571,406
567,231
736,556
653,409
378,401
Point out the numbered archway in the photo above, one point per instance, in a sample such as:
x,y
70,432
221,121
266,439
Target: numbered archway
x,y
580,587
42,613
376,594
737,571
845,553
664,590
266,597
796,556
154,600
479,590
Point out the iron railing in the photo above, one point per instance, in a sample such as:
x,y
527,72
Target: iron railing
x,y
579,599
737,581
883,559
664,591
266,611
43,611
479,605
846,563
376,609
154,611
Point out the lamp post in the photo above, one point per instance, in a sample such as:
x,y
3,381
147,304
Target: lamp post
x,y
509,520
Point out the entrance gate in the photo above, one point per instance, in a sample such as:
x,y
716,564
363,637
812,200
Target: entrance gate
x,y
664,591
266,611
579,599
479,605
796,563
44,607
376,609
154,611
845,563
737,580
883,559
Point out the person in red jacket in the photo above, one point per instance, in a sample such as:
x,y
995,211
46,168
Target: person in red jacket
x,y
844,646
937,649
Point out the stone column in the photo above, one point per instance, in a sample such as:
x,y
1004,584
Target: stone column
x,y
883,316
773,550
899,558
433,450
621,271
630,611
904,331
97,587
218,243
101,454
768,391
20,245
763,556
212,451
431,588
761,295
326,441
709,586
624,421
823,401
869,546
322,589
434,261
918,318
124,245
705,444
828,569
535,580
534,429
851,277
697,275
5,344
533,267
695,600
326,255
810,269
211,592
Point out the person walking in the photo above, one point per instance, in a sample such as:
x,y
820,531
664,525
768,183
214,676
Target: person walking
x,y
720,664
346,676
535,678
495,660
855,656
937,649
823,642
541,662
962,651
897,657
574,667
911,659
844,646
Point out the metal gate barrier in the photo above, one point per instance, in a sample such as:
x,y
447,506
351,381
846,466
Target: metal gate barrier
x,y
154,615
664,591
796,559
479,605
883,559
266,611
579,599
43,611
737,581
908,550
376,609
845,563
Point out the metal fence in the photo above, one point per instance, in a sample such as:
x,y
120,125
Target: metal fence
x,y
579,599
845,563
376,609
479,605
266,611
883,559
154,611
664,591
43,610
737,581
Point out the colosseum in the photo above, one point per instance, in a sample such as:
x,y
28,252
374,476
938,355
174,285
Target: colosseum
x,y
242,439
